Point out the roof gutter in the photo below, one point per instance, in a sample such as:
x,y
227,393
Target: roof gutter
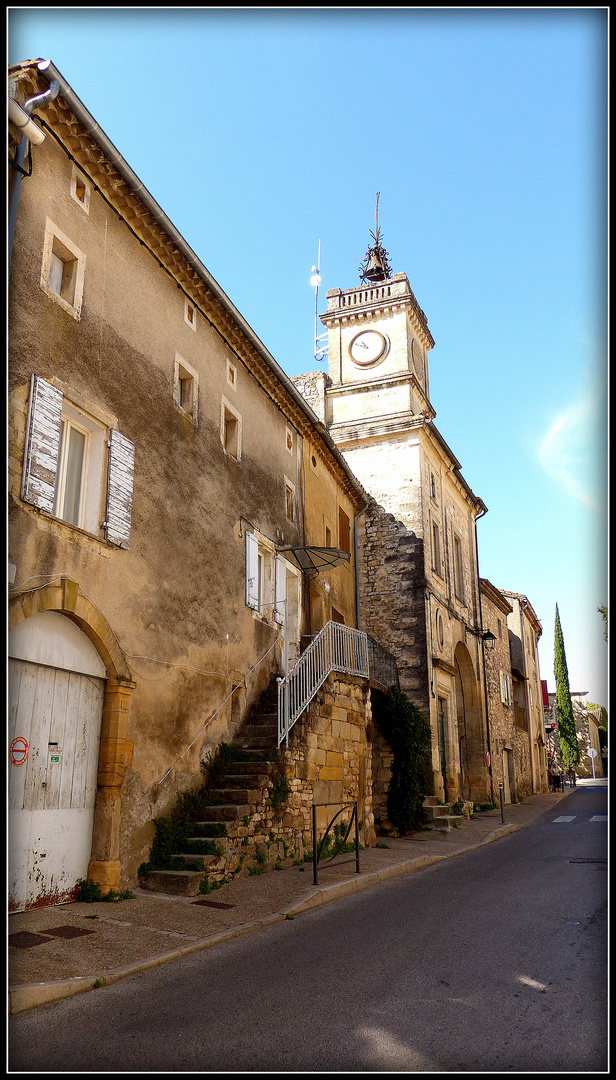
x,y
92,128
20,116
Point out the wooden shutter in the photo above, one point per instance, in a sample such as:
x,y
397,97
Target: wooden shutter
x,y
252,570
120,475
42,447
281,589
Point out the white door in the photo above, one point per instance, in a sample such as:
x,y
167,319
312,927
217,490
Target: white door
x,y
56,688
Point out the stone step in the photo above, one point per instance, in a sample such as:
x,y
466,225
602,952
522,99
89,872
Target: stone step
x,y
241,796
236,779
252,768
176,882
446,822
223,812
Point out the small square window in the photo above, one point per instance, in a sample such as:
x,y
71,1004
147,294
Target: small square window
x,y
190,314
289,440
186,384
231,375
80,190
231,431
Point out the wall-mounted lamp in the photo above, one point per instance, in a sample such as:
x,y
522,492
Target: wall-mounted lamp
x,y
488,639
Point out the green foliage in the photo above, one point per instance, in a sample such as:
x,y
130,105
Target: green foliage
x,y
569,746
603,611
280,791
90,893
408,733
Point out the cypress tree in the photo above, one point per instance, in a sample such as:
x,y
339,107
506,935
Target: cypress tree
x,y
569,746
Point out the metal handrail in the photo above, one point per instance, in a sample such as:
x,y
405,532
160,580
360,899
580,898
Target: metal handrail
x,y
335,648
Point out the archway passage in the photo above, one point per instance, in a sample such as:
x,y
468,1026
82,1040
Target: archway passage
x,y
474,781
63,597
56,692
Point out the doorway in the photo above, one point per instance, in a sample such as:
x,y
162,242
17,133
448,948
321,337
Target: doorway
x,y
56,689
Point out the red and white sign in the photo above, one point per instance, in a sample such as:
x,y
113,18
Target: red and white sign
x,y
18,750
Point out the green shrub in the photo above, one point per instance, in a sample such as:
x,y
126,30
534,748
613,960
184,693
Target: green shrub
x,y
409,735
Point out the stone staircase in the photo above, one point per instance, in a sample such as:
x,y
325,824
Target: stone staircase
x,y
440,818
229,833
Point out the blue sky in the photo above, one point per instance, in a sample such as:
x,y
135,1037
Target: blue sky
x,y
262,131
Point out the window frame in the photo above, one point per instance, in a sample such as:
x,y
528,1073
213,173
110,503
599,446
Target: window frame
x,y
232,447
57,244
183,372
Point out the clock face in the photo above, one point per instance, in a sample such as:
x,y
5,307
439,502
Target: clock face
x,y
367,347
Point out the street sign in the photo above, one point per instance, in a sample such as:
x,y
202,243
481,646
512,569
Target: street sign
x,y
592,752
18,751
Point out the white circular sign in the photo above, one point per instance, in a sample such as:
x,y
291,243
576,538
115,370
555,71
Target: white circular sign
x,y
592,752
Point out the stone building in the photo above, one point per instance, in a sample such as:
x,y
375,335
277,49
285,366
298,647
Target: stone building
x,y
588,720
524,631
517,743
181,523
419,580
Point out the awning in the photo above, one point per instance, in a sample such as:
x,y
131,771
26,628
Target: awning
x,y
313,559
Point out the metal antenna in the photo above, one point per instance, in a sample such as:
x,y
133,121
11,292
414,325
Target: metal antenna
x,y
320,351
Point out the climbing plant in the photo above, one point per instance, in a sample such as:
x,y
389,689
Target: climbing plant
x,y
408,733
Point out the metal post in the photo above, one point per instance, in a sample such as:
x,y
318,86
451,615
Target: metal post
x,y
502,803
357,870
314,845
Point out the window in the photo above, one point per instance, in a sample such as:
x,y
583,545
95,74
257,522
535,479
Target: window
x,y
66,452
344,531
80,190
265,579
289,440
62,270
436,548
328,536
505,687
289,496
186,385
432,486
458,568
231,431
190,314
231,375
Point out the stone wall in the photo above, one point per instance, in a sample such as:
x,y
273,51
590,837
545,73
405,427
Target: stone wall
x,y
392,602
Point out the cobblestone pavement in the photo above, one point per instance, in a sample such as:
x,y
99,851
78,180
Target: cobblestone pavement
x,y
55,952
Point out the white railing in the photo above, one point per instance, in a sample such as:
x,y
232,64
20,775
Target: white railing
x,y
335,648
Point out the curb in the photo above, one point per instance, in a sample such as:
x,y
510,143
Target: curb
x,y
22,998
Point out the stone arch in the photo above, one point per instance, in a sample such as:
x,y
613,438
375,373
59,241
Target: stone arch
x,y
471,728
66,597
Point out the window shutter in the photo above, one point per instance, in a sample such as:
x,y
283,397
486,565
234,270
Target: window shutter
x,y
42,447
281,589
252,570
119,489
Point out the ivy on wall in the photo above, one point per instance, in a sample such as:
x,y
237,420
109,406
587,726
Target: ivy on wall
x,y
408,733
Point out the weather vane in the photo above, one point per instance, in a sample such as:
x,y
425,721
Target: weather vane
x,y
320,351
375,266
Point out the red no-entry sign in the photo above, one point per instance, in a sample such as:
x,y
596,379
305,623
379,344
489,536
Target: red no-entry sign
x,y
18,751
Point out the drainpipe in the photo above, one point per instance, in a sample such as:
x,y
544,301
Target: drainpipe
x,y
21,117
483,659
357,515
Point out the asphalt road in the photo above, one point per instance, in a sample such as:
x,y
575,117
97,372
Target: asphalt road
x,y
492,961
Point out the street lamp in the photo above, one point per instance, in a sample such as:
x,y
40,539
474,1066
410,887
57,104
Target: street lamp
x,y
488,639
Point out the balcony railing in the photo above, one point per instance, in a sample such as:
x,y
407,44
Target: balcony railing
x,y
335,648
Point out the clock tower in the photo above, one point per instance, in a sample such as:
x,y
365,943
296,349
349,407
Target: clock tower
x,y
417,553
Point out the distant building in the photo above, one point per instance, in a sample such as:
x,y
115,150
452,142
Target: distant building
x,y
587,724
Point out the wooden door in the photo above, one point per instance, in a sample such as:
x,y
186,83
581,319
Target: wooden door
x,y
56,715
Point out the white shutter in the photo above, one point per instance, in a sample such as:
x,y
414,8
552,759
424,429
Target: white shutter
x,y
42,447
252,570
119,489
281,589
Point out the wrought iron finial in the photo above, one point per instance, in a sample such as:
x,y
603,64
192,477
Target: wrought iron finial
x,y
375,266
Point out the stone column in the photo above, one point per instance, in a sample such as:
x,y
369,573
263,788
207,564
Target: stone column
x,y
104,868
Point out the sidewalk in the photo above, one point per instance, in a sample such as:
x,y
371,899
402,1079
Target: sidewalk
x,y
56,952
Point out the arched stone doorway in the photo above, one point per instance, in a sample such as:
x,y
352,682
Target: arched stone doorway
x,y
65,597
474,781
